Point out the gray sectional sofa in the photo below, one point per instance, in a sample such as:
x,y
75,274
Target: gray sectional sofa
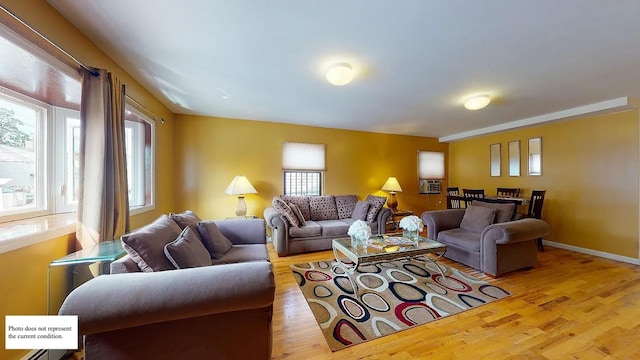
x,y
150,310
309,223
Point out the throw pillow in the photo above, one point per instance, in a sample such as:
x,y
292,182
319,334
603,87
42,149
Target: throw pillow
x,y
504,211
346,204
377,202
476,218
216,243
187,251
298,213
301,201
146,245
361,210
186,218
284,209
323,207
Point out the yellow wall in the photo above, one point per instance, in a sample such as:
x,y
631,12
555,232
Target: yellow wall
x,y
590,172
23,284
214,150
23,271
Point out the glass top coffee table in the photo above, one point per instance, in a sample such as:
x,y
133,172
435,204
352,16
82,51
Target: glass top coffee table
x,y
382,248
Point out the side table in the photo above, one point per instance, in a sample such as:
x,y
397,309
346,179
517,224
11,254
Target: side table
x,y
394,223
103,253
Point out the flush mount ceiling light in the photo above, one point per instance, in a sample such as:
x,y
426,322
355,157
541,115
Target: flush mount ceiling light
x,y
477,102
339,73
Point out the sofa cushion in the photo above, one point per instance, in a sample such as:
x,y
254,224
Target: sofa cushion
x,y
186,218
216,243
297,213
301,201
284,209
504,211
461,238
337,228
377,202
146,245
323,207
311,228
243,253
346,204
361,210
187,250
476,218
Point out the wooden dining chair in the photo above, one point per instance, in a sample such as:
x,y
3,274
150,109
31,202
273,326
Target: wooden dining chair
x,y
470,194
535,209
510,192
453,198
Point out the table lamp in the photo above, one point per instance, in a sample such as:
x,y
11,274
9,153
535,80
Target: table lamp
x,y
240,186
392,186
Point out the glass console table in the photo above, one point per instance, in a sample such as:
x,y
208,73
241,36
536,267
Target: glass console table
x,y
103,254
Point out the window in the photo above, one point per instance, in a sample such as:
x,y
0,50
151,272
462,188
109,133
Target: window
x,y
303,167
139,132
302,182
138,149
40,135
430,171
67,159
23,139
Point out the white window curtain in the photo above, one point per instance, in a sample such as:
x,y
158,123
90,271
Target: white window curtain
x,y
430,165
103,205
303,156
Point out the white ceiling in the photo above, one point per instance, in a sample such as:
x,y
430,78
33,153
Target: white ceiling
x,y
415,60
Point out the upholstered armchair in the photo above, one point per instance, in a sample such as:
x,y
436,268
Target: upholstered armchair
x,y
474,238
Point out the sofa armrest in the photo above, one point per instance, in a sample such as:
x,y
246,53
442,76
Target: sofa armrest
x,y
119,301
441,220
124,265
383,216
515,231
279,230
243,231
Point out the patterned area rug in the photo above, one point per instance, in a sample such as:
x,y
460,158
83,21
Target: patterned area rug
x,y
396,295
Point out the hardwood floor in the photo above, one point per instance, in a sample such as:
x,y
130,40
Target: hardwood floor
x,y
570,306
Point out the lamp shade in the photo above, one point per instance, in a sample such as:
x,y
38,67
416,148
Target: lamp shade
x,y
339,73
240,185
391,185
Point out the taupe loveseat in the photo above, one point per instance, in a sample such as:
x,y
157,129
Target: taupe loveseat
x,y
221,311
486,237
309,223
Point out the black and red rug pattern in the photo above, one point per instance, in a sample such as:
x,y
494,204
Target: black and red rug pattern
x,y
394,296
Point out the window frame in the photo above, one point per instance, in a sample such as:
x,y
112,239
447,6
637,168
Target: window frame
x,y
320,184
295,163
41,141
148,184
62,187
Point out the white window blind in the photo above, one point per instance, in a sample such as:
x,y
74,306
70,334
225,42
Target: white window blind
x,y
430,165
303,156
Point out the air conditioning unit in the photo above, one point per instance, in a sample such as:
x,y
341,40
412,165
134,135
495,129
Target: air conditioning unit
x,y
430,186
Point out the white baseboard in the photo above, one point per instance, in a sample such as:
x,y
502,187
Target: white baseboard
x,y
44,355
601,254
35,354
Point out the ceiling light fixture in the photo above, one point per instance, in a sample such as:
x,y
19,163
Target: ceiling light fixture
x,y
339,73
477,102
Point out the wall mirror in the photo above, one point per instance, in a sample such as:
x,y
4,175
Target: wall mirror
x,y
535,156
495,159
514,158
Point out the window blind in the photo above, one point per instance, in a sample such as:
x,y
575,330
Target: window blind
x,y
430,165
303,156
